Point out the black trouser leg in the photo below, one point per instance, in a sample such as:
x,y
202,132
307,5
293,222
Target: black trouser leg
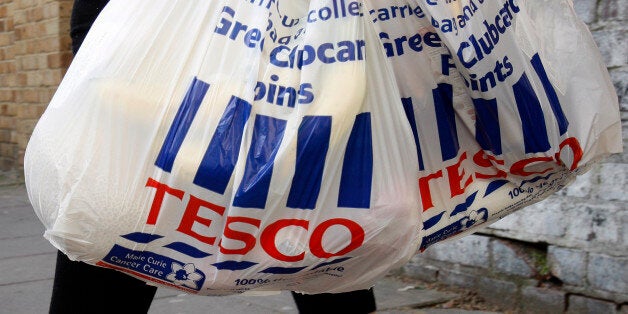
x,y
354,302
82,288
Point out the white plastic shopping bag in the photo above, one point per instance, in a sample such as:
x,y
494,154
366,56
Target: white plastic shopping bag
x,y
223,147
509,101
226,146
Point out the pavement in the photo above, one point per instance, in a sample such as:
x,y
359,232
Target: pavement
x,y
27,263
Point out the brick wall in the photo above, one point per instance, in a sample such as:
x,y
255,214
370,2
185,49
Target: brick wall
x,y
569,253
34,54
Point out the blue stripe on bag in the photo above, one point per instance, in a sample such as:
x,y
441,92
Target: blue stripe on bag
x,y
446,120
181,124
409,110
312,146
222,153
336,261
537,64
532,119
487,131
357,167
282,270
267,135
234,265
187,249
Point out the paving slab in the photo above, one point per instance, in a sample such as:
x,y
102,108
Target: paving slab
x,y
394,294
30,297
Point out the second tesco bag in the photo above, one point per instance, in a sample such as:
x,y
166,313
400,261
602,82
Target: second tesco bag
x,y
222,147
219,147
508,100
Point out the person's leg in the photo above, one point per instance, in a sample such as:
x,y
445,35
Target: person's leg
x,y
84,13
82,288
354,302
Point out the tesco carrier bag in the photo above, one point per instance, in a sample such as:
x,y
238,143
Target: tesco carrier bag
x,y
208,147
508,102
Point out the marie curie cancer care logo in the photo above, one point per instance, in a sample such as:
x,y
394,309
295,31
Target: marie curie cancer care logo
x,y
155,267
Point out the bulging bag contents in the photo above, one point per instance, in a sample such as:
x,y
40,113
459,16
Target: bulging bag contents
x,y
223,147
219,147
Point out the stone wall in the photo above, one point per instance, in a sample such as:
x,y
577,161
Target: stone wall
x,y
569,253
34,55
